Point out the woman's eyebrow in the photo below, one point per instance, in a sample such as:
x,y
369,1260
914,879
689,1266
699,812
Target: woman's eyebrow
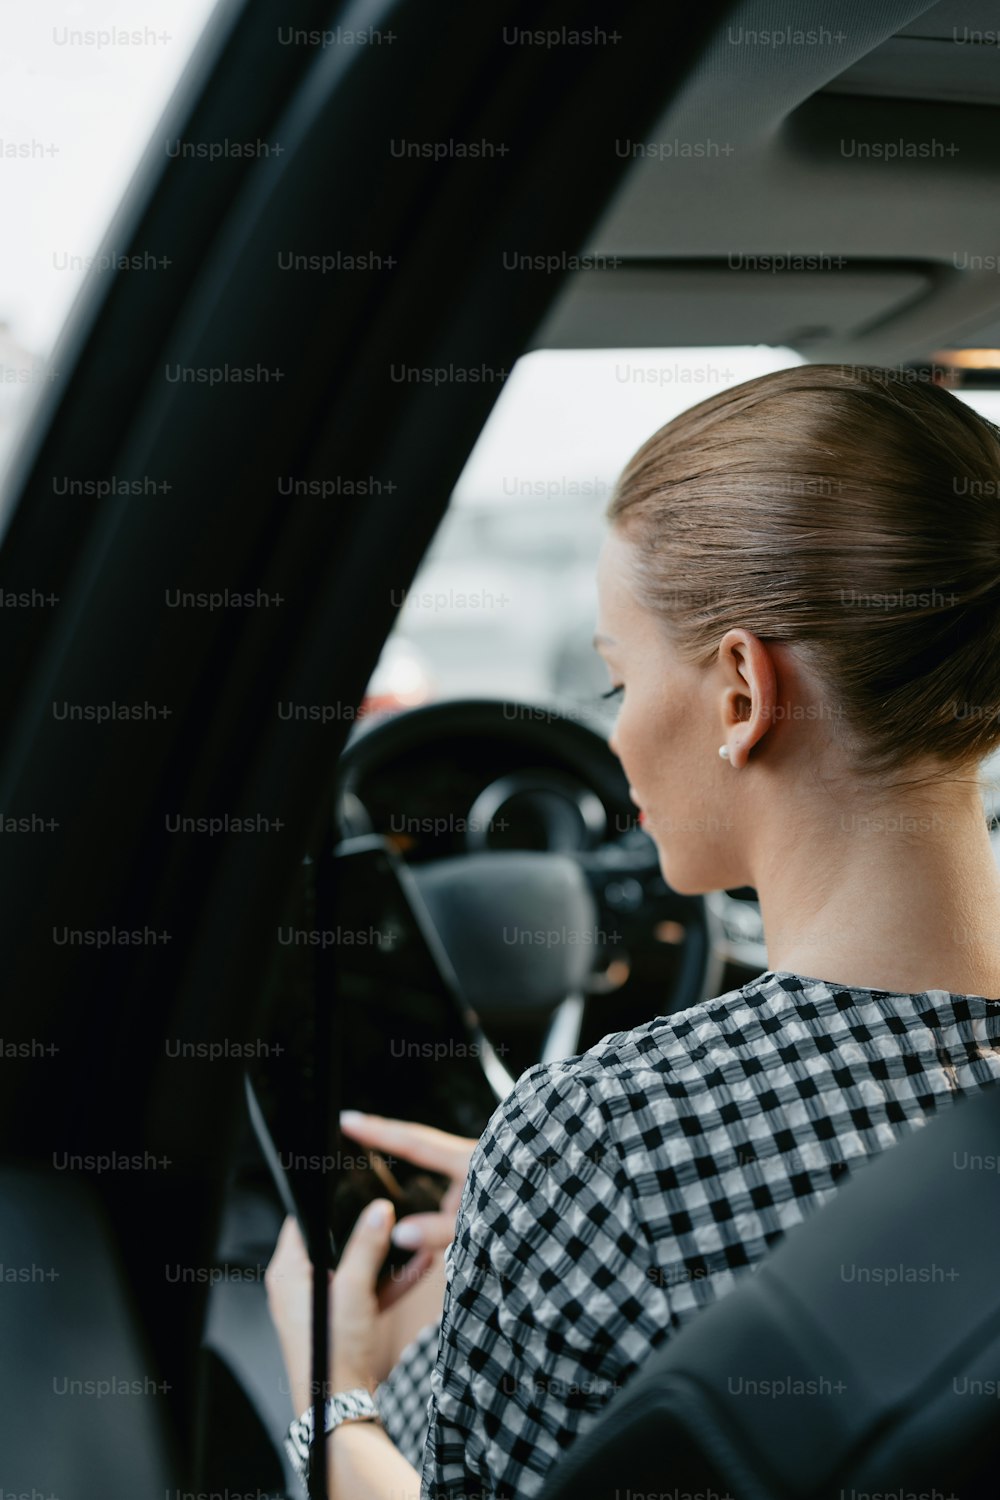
x,y
603,640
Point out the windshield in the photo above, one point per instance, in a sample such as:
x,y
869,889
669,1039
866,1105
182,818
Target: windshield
x,y
505,596
504,604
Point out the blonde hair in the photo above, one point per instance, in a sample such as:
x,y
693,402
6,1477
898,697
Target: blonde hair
x,y
853,511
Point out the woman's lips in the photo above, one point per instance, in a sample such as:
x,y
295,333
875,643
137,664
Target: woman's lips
x,y
642,818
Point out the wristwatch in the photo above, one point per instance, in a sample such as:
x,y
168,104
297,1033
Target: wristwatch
x,y
346,1406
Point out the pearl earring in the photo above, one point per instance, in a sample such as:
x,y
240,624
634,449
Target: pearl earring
x,y
724,751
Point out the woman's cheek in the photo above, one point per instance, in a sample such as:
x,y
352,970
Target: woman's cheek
x,y
625,746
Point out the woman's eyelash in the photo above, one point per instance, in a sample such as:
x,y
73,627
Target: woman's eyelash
x,y
614,692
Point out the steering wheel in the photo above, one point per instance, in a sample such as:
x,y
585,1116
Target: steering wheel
x,y
545,891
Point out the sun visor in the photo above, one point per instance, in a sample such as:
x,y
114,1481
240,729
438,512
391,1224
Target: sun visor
x,y
746,299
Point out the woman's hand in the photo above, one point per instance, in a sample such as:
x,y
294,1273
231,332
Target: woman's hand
x,y
370,1328
354,1311
413,1295
428,1233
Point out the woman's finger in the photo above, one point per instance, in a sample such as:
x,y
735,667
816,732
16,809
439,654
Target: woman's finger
x,y
365,1251
354,1304
290,1258
452,1200
288,1281
424,1232
401,1278
420,1144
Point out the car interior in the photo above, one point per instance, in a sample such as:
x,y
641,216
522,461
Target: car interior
x,y
815,179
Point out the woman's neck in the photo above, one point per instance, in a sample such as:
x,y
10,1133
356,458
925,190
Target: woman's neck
x,y
898,893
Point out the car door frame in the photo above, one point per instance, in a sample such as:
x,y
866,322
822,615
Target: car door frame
x,y
126,938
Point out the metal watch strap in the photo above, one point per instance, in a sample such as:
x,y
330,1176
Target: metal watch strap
x,y
357,1405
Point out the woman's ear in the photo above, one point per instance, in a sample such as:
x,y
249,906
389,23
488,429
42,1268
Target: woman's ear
x,y
749,693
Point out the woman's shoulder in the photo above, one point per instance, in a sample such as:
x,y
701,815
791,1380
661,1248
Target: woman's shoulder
x,y
685,1042
573,1104
683,1074
780,1009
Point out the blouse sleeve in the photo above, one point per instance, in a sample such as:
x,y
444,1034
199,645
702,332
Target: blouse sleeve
x,y
402,1398
549,1303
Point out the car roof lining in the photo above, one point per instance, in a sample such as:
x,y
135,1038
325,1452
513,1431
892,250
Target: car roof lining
x,y
760,156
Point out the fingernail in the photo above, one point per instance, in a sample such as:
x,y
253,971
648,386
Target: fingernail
x,y
377,1214
408,1236
351,1117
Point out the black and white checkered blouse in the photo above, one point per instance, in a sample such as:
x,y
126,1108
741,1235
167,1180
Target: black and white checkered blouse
x,y
615,1194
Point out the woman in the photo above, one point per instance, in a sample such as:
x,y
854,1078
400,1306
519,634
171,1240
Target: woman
x,y
800,609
